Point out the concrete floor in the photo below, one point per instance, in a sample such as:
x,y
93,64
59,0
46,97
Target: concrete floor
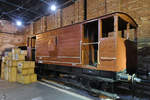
x,y
52,91
36,91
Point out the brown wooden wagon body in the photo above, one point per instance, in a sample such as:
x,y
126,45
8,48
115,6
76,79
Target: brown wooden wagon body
x,y
102,43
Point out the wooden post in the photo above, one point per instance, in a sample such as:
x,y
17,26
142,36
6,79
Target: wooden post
x,y
100,29
116,26
122,34
135,35
115,35
99,37
81,48
128,28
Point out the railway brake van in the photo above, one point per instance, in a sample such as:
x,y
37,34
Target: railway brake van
x,y
103,49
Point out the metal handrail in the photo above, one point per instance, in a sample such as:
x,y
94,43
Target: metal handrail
x,y
89,43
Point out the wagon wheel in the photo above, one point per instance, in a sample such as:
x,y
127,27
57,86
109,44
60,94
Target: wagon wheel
x,y
133,90
85,83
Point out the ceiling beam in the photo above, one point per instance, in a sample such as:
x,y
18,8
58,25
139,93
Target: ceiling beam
x,y
19,7
45,2
62,5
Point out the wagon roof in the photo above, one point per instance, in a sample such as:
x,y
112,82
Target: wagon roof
x,y
122,15
126,17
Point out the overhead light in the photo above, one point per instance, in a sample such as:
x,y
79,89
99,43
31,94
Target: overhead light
x,y
18,23
53,7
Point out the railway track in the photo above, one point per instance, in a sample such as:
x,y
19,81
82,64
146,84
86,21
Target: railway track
x,y
133,92
93,92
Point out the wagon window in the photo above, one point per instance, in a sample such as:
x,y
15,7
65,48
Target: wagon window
x,y
108,27
122,31
122,25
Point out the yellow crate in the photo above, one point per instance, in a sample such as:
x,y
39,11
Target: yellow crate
x,y
7,63
2,70
8,58
9,54
31,71
26,64
32,64
12,63
4,59
6,73
24,52
23,71
19,57
33,78
16,51
12,74
23,79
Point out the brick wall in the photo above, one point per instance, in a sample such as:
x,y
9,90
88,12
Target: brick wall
x,y
68,13
28,31
66,16
10,35
53,21
39,25
9,27
10,40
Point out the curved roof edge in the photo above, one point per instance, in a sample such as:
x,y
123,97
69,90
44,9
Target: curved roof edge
x,y
124,16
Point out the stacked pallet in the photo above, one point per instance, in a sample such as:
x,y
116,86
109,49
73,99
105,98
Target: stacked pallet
x,y
25,72
16,69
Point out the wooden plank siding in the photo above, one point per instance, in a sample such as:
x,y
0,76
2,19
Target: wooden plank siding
x,y
67,48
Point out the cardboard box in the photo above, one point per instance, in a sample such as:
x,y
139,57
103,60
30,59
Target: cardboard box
x,y
23,52
2,70
4,59
12,63
12,74
7,63
23,79
31,71
6,73
8,58
6,54
26,64
15,51
33,78
10,54
32,64
23,71
19,57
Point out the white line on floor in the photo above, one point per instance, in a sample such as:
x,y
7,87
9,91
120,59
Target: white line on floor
x,y
67,92
56,84
37,98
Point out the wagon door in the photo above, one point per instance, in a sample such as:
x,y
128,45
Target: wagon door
x,y
107,45
90,43
52,46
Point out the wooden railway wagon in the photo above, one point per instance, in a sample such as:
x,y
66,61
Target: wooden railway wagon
x,y
101,44
103,48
